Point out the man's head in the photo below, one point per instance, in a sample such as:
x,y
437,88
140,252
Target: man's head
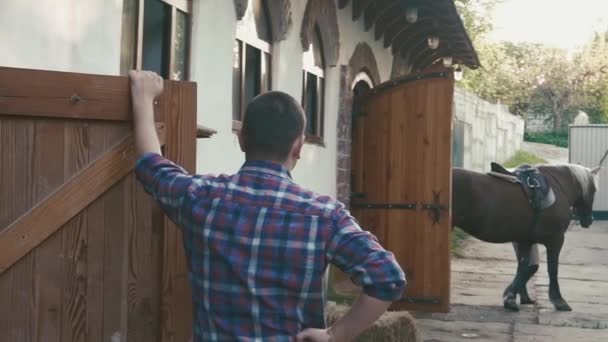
x,y
273,129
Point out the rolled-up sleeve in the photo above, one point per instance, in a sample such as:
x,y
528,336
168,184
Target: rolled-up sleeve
x,y
358,253
166,182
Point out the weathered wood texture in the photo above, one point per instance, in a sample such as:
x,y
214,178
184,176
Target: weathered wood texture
x,y
437,17
85,254
402,154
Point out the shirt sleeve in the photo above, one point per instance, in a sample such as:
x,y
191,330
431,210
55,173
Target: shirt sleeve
x,y
169,184
358,253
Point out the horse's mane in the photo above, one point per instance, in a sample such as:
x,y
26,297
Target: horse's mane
x,y
583,177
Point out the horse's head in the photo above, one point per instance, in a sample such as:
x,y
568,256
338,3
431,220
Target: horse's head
x,y
588,180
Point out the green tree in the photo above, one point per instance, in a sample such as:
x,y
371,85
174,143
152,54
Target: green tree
x,y
566,83
477,17
535,78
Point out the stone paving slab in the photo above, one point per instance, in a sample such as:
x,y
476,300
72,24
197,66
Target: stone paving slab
x,y
575,272
480,313
473,249
583,315
494,267
591,292
576,319
448,331
480,289
481,272
529,333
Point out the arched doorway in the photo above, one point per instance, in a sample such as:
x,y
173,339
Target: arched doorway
x,y
361,86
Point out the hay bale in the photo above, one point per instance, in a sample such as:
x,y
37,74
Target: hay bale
x,y
391,326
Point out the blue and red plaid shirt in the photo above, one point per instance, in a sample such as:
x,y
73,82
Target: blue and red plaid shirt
x,y
258,246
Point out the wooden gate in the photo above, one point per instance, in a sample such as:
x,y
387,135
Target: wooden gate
x,y
85,254
401,167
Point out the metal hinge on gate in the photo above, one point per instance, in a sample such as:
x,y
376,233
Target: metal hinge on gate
x,y
435,208
406,206
358,195
359,112
420,300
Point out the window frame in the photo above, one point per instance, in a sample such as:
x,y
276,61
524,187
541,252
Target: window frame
x,y
133,34
245,36
313,69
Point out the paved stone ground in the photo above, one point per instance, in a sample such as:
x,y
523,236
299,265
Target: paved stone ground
x,y
482,270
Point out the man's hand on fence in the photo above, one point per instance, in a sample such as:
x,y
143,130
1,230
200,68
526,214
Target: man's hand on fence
x,y
145,87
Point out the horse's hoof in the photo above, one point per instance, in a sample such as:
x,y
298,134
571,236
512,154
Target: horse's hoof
x,y
561,304
526,301
510,304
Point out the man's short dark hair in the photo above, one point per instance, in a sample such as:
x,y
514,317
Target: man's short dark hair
x,y
273,121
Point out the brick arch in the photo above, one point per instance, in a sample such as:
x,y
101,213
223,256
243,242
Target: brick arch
x,y
363,59
279,16
324,14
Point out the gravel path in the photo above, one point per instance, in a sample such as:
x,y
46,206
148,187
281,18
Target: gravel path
x,y
550,153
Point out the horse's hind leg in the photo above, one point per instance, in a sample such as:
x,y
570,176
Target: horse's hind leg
x,y
521,277
553,250
524,297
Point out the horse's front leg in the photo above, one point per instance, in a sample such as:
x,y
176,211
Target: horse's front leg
x,y
553,249
521,277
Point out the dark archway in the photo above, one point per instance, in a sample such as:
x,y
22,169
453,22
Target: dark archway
x,y
358,77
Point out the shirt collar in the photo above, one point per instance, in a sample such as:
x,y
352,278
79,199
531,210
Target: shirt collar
x,y
267,167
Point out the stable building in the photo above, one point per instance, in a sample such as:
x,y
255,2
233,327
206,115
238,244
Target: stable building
x,y
376,80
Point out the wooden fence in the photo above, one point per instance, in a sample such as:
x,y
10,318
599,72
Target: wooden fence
x,y
85,254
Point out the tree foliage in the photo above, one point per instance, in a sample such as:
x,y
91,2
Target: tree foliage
x,y
533,78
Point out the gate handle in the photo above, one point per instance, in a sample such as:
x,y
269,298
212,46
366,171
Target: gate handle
x,y
435,208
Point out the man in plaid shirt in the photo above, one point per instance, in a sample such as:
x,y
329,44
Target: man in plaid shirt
x,y
258,244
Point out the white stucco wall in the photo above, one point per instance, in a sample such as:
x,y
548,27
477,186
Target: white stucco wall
x,y
491,133
85,36
213,37
62,35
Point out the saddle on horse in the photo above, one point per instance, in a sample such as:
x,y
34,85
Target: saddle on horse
x,y
533,183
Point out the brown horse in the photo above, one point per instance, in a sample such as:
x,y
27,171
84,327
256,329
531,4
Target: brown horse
x,y
497,211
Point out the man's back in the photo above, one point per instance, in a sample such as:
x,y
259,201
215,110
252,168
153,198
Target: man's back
x,y
262,243
258,246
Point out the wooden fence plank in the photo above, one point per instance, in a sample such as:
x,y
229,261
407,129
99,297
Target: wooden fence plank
x,y
180,148
115,256
74,232
20,299
54,94
46,217
95,243
49,149
66,95
62,108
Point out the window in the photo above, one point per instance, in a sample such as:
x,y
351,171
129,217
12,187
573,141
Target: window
x,y
313,89
156,37
252,60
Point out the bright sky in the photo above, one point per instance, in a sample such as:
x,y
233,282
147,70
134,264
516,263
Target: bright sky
x,y
560,23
